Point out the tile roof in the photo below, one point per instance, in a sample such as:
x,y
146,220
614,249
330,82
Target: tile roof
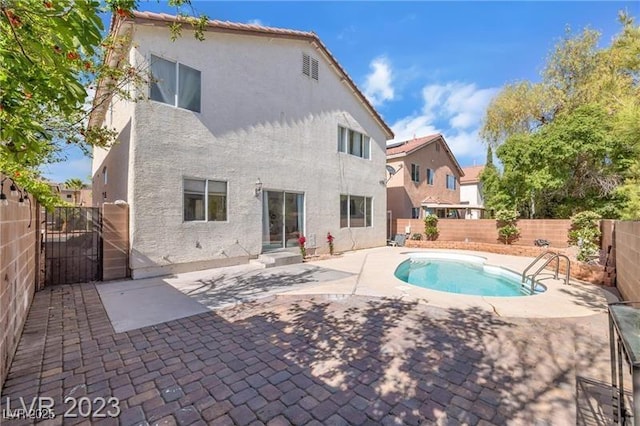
x,y
260,30
471,174
411,145
407,147
224,25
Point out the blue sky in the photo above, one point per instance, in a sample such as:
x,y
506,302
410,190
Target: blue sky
x,y
428,67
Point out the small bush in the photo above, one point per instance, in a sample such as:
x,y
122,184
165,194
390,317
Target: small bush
x,y
416,237
585,233
431,227
506,223
508,233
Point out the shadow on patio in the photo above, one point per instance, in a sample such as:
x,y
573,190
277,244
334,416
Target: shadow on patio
x,y
334,360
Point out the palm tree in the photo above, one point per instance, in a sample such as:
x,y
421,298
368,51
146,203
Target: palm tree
x,y
76,185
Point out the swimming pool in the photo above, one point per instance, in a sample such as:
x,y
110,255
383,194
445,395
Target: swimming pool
x,y
461,274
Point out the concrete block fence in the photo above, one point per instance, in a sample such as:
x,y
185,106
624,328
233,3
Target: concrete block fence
x,y
19,266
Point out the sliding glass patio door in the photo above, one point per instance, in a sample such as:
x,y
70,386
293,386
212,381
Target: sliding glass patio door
x,y
282,219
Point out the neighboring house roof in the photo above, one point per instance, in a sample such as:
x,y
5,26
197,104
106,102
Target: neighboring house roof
x,y
405,148
243,29
471,174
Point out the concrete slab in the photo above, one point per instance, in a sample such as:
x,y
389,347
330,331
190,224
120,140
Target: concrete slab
x,y
134,304
222,287
280,258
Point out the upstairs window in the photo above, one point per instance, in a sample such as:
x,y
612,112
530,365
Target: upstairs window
x,y
451,182
310,66
415,173
205,200
354,143
175,84
429,176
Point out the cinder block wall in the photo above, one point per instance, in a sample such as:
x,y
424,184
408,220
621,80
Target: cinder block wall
x,y
485,230
18,265
115,241
627,242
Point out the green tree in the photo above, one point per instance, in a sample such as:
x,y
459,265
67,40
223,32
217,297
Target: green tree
x,y
571,142
494,200
76,185
51,54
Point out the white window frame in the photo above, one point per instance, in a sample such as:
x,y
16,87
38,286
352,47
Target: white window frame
x,y
176,97
206,200
343,142
349,211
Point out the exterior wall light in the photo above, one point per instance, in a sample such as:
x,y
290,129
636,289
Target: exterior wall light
x,y
258,188
14,190
3,197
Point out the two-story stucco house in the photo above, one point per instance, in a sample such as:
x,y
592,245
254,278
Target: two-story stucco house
x,y
248,140
471,192
426,180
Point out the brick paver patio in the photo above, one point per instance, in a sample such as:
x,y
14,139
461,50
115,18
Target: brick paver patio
x,y
321,360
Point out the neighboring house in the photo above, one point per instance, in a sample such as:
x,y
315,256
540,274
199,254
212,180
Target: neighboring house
x,y
471,192
251,138
426,180
82,197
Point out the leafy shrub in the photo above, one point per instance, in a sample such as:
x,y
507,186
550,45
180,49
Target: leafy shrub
x,y
585,233
508,233
507,216
431,227
506,223
416,236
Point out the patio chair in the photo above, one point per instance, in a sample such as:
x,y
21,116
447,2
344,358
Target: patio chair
x,y
397,241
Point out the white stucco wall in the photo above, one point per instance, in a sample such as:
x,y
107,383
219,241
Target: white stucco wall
x,y
116,158
261,118
469,193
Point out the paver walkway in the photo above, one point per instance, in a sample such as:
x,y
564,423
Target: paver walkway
x,y
315,360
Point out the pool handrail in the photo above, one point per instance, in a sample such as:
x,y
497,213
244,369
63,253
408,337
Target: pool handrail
x,y
555,256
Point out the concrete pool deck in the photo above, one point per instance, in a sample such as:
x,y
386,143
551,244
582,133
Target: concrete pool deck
x,y
375,277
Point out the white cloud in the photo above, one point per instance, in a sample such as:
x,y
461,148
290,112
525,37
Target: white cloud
x,y
454,109
255,22
377,86
466,144
413,126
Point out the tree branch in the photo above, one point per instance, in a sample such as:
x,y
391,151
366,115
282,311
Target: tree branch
x,y
15,35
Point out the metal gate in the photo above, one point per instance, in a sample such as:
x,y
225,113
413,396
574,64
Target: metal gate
x,y
73,245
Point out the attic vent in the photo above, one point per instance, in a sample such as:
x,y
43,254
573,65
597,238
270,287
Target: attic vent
x,y
306,64
309,66
314,69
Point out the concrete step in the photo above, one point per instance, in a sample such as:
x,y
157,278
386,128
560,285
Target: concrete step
x,y
279,258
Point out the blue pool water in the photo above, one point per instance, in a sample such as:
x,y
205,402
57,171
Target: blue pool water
x,y
462,275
